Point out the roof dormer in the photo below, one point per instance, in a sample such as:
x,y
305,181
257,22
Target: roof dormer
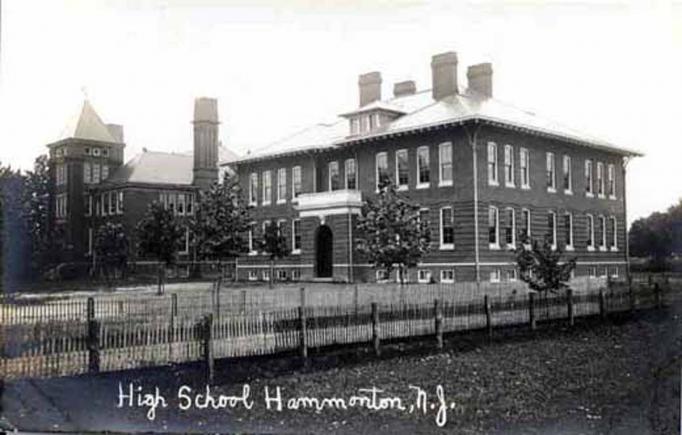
x,y
372,117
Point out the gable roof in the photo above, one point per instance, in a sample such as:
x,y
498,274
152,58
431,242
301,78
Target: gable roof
x,y
423,112
154,167
86,124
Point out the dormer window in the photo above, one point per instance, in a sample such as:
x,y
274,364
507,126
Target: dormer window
x,y
369,118
354,126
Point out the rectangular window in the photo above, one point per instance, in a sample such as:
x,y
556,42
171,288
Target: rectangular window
x,y
253,275
568,178
423,168
614,234
251,238
295,274
184,247
551,173
551,228
281,275
364,123
568,231
296,236
105,172
296,181
253,189
445,164
95,173
61,206
495,275
600,179
588,178
88,205
103,203
381,275
492,164
267,188
493,228
381,170
171,202
354,126
447,276
612,181
447,229
281,185
265,274
181,204
90,241
402,170
112,203
590,232
602,233
511,275
525,226
509,166
334,177
87,173
119,203
510,228
424,276
189,203
524,156
351,175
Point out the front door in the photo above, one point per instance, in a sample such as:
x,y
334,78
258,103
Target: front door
x,y
324,252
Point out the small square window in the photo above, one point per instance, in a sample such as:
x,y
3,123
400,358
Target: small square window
x,y
296,274
495,275
424,276
253,275
281,275
381,275
266,275
447,276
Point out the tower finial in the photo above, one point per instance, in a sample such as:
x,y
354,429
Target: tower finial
x,y
84,91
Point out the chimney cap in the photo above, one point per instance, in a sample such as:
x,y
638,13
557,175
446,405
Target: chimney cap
x,y
448,57
206,109
480,68
370,77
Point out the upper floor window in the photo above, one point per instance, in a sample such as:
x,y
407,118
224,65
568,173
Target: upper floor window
x,y
568,178
588,178
253,189
364,124
612,181
492,163
568,230
334,177
88,205
423,167
525,226
296,236
590,232
296,181
351,175
105,152
551,228
509,166
96,173
401,170
61,206
189,203
281,185
600,179
181,204
602,233
447,228
354,126
614,233
251,238
524,157
493,227
510,228
381,170
61,174
112,203
119,203
267,188
445,164
105,172
551,173
87,173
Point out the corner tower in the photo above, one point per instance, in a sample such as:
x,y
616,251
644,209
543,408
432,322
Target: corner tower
x,y
205,122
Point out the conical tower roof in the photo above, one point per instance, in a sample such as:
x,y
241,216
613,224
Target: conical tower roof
x,y
86,124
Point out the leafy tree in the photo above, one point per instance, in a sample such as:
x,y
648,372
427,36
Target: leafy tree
x,y
657,236
390,231
36,205
541,267
159,234
13,246
274,244
220,221
111,248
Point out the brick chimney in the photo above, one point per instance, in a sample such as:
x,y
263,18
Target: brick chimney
x,y
444,75
370,87
205,142
408,87
480,79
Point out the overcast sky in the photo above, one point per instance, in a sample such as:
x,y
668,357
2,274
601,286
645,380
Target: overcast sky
x,y
614,70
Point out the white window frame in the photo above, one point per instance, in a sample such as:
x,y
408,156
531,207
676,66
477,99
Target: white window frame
x,y
527,222
614,233
333,166
493,179
119,202
554,233
423,276
589,178
423,184
601,187
354,126
494,245
296,181
381,276
602,223
347,166
96,173
524,158
96,152
253,275
551,172
495,275
105,172
512,275
509,179
180,204
267,188
570,242
186,247
253,189
295,250
444,278
442,149
443,245
567,171
281,274
379,156
397,169
281,185
612,181
251,238
591,243
295,274
189,204
87,172
511,246
265,275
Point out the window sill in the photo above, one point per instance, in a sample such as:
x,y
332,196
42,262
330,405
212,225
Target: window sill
x,y
266,203
612,197
590,248
525,187
589,195
423,185
569,248
510,246
447,281
568,192
493,183
252,253
447,247
510,185
402,188
494,246
445,184
296,252
281,201
551,190
601,196
602,249
423,281
614,249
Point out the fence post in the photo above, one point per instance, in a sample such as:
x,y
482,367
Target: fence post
x,y
438,314
488,316
208,347
569,302
657,295
531,311
93,338
303,332
602,304
375,329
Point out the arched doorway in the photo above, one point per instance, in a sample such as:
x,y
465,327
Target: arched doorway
x,y
324,250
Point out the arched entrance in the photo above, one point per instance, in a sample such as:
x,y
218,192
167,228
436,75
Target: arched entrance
x,y
324,250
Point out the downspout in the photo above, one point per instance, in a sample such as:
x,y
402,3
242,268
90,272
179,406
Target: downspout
x,y
626,160
472,142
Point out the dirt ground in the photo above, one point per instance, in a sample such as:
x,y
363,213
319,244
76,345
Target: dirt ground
x,y
621,376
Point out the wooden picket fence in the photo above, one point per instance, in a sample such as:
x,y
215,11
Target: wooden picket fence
x,y
101,342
